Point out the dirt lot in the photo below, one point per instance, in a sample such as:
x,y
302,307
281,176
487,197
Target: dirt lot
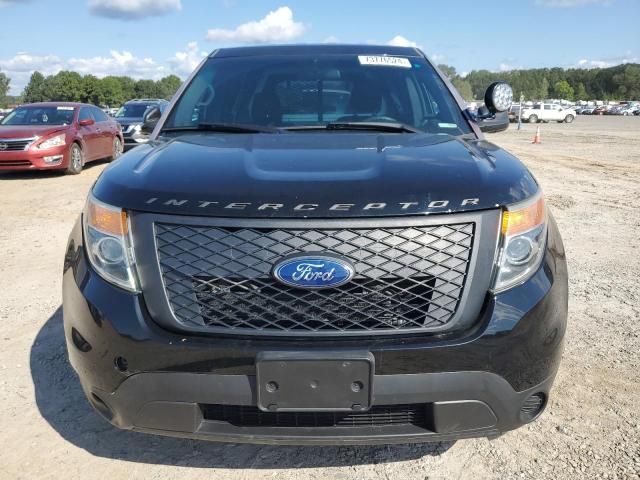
x,y
590,171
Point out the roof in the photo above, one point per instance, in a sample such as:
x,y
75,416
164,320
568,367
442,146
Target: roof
x,y
316,49
146,100
58,104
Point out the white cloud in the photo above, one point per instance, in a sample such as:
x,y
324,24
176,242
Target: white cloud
x,y
608,62
400,41
186,61
20,67
572,3
437,58
133,9
118,63
276,26
331,39
8,3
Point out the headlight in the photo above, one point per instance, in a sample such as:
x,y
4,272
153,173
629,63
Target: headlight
x,y
56,141
523,236
137,128
107,237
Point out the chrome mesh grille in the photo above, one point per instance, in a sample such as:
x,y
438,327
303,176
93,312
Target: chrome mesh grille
x,y
406,278
15,145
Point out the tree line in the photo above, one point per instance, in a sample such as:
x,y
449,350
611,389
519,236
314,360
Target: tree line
x,y
621,82
68,86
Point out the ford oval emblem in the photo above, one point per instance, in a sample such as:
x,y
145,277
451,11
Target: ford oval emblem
x,y
313,271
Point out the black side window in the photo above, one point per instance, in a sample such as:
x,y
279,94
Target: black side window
x,y
85,114
99,115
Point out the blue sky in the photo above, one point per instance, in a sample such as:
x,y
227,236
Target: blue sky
x,y
153,38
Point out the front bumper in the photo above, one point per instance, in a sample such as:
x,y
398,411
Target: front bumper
x,y
35,159
147,378
133,139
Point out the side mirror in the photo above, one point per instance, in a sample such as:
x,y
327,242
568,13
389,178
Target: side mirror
x,y
492,116
496,123
87,122
151,119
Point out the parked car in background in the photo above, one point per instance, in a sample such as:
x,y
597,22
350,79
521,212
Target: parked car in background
x,y
57,136
587,110
600,110
131,116
514,112
547,112
628,110
4,112
614,110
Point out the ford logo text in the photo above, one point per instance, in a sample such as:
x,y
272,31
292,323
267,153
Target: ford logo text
x,y
313,272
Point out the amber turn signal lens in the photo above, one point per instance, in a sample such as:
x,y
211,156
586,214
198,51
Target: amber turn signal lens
x,y
107,220
524,219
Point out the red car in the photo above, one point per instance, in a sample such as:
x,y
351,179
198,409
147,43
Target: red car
x,y
47,136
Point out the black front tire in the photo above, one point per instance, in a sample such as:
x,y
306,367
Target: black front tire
x,y
569,118
118,148
533,119
76,160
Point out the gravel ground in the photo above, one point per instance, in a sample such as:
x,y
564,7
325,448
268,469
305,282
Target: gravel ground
x,y
590,171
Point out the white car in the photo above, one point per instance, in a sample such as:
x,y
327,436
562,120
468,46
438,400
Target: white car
x,y
628,110
548,112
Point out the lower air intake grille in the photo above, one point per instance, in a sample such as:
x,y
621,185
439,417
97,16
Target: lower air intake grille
x,y
407,278
377,416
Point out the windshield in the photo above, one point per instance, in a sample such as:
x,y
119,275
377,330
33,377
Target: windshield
x,y
132,110
295,91
40,116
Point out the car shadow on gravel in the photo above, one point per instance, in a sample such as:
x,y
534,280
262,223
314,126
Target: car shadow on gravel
x,y
9,175
62,404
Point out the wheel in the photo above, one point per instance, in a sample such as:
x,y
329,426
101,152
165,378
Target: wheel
x,y
568,118
117,148
76,160
533,119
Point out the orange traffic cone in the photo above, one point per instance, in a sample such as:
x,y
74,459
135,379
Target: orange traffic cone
x,y
537,138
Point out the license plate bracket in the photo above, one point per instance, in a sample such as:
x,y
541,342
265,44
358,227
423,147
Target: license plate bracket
x,y
326,382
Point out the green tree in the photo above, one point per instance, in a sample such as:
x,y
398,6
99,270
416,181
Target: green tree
x,y
64,86
463,87
168,86
5,82
146,89
448,70
91,91
544,89
34,91
581,92
128,87
563,90
111,92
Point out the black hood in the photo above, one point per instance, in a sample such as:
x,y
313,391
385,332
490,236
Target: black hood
x,y
314,175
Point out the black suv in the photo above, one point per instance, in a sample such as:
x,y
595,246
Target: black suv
x,y
131,117
317,246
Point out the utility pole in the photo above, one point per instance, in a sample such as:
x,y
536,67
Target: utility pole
x,y
520,111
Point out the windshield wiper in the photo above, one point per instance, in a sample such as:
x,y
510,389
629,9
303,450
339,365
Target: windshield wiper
x,y
370,126
223,128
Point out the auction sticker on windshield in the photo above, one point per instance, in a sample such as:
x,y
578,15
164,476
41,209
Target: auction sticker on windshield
x,y
65,108
384,61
